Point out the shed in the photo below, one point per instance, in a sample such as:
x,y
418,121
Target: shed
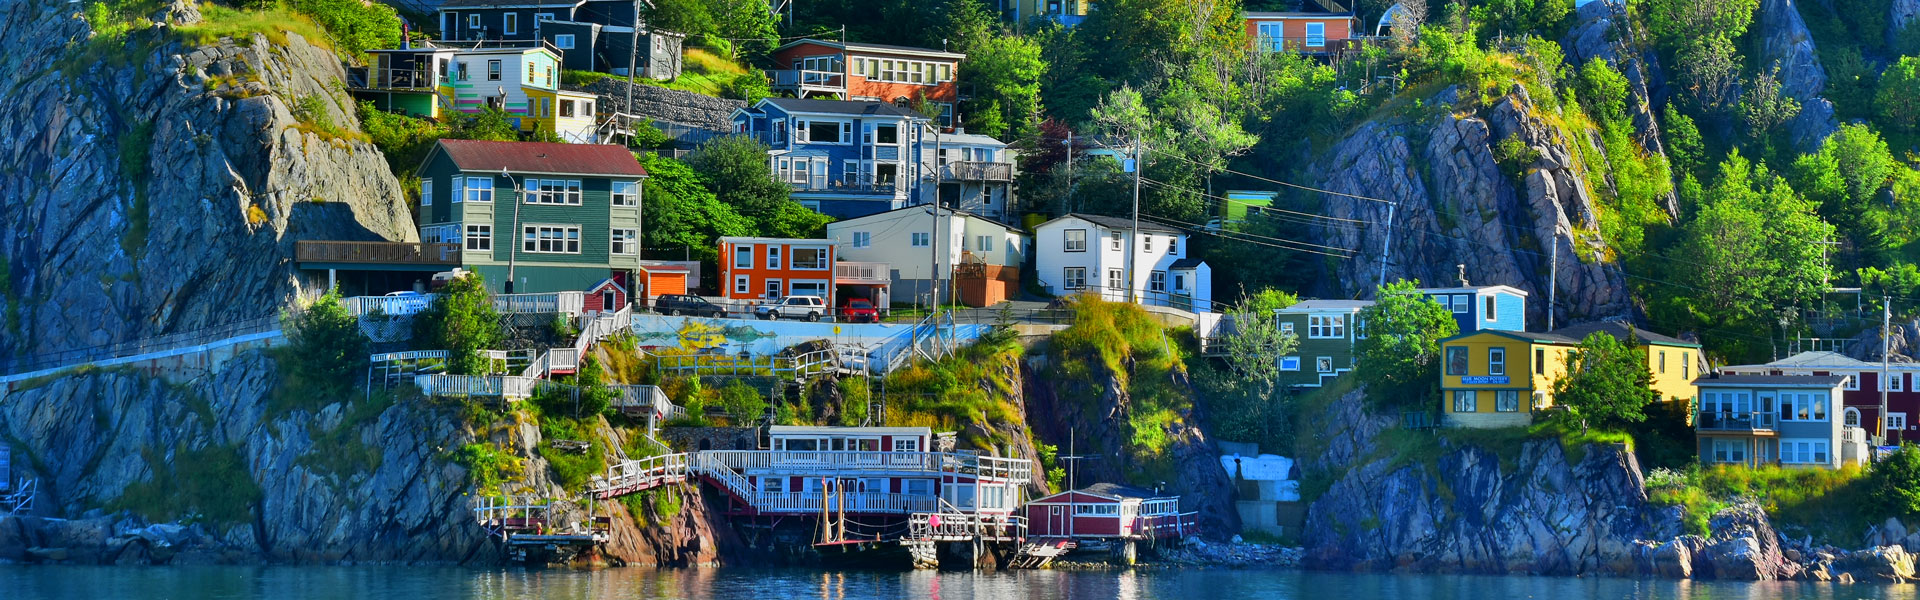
x,y
1107,511
660,280
606,296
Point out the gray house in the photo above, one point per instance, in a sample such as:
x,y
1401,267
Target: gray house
x,y
1787,420
590,35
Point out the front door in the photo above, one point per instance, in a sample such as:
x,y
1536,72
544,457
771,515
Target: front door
x,y
609,301
1057,520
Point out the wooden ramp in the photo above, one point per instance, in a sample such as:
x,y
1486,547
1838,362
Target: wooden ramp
x,y
1037,553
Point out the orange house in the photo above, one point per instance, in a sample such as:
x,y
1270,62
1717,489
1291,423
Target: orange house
x,y
753,268
1303,32
870,72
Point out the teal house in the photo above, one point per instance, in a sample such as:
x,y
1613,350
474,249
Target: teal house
x,y
1327,330
558,217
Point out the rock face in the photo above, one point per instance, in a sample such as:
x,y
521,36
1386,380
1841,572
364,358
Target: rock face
x,y
1601,31
1785,44
1900,14
1456,207
1464,513
119,182
662,104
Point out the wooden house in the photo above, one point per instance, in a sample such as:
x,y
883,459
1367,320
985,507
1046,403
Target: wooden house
x,y
900,75
1498,378
879,470
1108,511
755,268
1864,386
1485,307
1787,420
1327,330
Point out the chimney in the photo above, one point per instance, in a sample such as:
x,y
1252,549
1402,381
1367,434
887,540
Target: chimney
x,y
1463,275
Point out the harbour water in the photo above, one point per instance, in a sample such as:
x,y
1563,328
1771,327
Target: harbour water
x,y
438,583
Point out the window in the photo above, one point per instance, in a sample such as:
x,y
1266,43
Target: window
x,y
563,41
1456,360
510,23
810,258
983,243
1489,309
1323,364
1074,278
742,285
859,65
479,189
623,241
862,239
1289,363
1464,401
1852,418
459,189
1113,241
773,256
626,193
888,135
1116,279
1896,382
1179,282
1286,328
1272,36
806,288
1506,401
473,21
426,192
915,487
1496,361
461,73
1157,281
1462,303
1896,421
1074,240
566,107
773,485
480,237
946,72
546,107
553,191
1326,326
1146,243
743,256
822,132
908,444
1853,381
493,70
921,239
1686,367
1803,407
1662,363
1316,35
1803,451
1096,510
1729,451
1173,246
551,239
1539,361
586,108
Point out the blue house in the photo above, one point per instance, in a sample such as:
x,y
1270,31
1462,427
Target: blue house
x,y
844,158
589,35
1483,308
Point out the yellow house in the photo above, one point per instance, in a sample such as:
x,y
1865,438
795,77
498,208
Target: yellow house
x,y
1500,378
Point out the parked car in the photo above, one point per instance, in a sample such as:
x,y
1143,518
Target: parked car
x,y
403,302
859,310
810,308
687,304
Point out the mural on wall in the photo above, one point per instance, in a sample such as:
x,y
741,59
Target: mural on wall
x,y
766,338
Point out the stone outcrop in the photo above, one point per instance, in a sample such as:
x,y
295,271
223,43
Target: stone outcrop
x,y
1462,512
662,104
1455,206
1785,44
1603,30
1900,15
150,186
1743,547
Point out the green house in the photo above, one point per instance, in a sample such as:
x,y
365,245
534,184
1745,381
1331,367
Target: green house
x,y
1326,330
575,209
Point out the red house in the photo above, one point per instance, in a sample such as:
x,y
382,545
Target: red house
x,y
1108,511
754,268
607,296
1861,392
1314,33
872,72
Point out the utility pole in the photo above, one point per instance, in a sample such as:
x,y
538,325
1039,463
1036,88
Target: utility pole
x,y
513,248
1133,240
633,59
1886,332
1553,277
1386,246
1069,201
937,243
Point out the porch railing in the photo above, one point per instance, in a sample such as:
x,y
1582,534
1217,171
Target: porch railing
x,y
1735,421
411,253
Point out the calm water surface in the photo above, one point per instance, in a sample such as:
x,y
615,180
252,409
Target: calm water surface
x,y
400,583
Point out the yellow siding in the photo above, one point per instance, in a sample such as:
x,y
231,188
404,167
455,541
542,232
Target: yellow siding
x,y
1676,380
1554,357
1518,361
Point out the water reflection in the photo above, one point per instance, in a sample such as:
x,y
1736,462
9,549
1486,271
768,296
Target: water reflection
x,y
405,583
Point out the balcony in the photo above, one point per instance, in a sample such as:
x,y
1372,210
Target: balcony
x,y
1755,422
887,188
976,171
862,273
1306,45
803,82
415,79
378,253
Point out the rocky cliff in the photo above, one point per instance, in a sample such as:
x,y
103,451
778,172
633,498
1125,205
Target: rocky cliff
x,y
1786,49
132,161
1455,206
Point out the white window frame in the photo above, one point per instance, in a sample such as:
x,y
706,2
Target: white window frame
x,y
983,243
495,70
1730,451
623,241
742,285
1850,417
557,238
479,189
1496,361
1326,327
1113,238
1897,382
825,263
773,257
1070,242
625,193
1896,421
1323,364
1146,243
1492,308
1173,246
1116,279
1462,303
479,238
1852,383
426,192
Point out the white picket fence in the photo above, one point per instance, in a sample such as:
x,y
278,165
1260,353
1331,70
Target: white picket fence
x,y
572,304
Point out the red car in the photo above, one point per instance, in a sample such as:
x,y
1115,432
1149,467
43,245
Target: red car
x,y
859,311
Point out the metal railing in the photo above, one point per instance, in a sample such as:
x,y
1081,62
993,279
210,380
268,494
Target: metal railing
x,y
394,78
567,303
1146,297
410,253
959,526
976,171
1307,44
862,272
132,348
511,387
803,80
1735,421
846,187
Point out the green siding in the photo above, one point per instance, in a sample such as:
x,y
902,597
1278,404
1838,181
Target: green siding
x,y
542,279
1310,350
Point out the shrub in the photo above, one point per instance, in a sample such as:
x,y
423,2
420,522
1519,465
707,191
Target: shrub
x,y
327,349
488,467
462,322
355,26
1894,483
742,402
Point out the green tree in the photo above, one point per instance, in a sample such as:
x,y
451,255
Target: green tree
x,y
1766,106
1607,382
1603,90
1006,72
1683,141
1898,101
489,124
1894,482
1845,178
1268,300
969,23
462,321
354,26
1404,328
735,169
595,395
326,345
748,24
683,213
743,403
690,17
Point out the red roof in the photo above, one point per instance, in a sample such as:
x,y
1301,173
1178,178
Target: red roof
x,y
542,157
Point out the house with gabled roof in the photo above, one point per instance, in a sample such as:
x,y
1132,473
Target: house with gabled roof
x,y
589,35
900,75
1088,254
1327,331
843,158
1500,378
557,217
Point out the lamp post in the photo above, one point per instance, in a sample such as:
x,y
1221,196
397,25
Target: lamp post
x,y
513,249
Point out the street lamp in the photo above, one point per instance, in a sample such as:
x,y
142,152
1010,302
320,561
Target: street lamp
x,y
513,250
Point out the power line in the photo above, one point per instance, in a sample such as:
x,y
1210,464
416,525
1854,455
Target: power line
x,y
1276,181
1251,205
1263,240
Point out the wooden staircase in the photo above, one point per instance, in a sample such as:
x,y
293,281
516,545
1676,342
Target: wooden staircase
x,y
1037,553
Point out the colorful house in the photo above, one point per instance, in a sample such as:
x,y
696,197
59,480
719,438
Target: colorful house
x,y
1788,420
1861,392
754,268
588,35
1499,378
974,173
982,257
1311,33
1108,511
439,83
879,470
1065,12
1476,308
846,159
901,75
573,209
1088,254
1327,331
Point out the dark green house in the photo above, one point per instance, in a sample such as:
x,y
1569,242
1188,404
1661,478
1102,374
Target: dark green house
x,y
558,217
1327,330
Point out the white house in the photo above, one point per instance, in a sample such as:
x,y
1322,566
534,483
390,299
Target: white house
x,y
985,255
973,173
1087,253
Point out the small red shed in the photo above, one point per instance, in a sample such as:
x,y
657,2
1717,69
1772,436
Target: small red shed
x,y
606,296
1108,511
